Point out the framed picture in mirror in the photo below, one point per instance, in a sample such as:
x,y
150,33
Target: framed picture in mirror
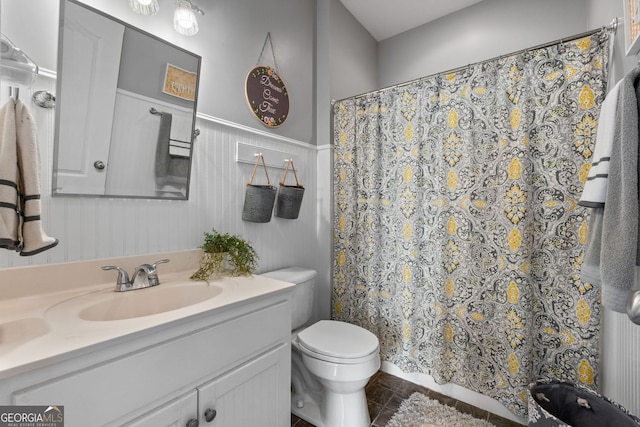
x,y
631,26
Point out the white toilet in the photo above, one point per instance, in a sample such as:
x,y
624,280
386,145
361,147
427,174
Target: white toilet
x,y
331,361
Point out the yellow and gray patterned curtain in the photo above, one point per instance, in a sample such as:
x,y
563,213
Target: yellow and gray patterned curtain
x,y
458,238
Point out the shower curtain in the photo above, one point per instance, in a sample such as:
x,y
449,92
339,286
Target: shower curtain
x,y
457,235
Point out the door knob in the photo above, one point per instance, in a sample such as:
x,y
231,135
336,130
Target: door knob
x,y
193,423
98,164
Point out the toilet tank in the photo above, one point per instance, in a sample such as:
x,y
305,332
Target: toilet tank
x,y
303,293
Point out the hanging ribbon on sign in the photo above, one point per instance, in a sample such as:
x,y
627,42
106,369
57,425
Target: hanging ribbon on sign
x,y
265,91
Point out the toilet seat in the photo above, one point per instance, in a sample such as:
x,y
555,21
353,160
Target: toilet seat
x,y
338,342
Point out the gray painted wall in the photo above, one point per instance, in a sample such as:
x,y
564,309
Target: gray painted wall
x,y
230,46
32,15
353,60
485,30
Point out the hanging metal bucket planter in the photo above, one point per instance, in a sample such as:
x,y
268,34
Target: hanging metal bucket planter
x,y
289,196
258,199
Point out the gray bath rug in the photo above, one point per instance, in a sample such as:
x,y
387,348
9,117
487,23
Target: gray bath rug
x,y
420,411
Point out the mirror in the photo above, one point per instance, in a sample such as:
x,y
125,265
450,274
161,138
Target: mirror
x,y
125,109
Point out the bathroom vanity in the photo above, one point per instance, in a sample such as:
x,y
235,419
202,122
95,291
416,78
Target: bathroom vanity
x,y
222,358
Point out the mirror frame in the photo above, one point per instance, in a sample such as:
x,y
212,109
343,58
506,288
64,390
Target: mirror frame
x,y
60,97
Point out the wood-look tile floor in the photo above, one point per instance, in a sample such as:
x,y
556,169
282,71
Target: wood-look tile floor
x,y
386,392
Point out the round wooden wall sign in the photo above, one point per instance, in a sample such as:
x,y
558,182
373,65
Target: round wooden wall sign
x,y
267,96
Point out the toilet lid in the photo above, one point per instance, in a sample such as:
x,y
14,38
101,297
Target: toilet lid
x,y
338,339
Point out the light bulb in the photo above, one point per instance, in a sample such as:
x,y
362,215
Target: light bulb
x,y
144,7
184,19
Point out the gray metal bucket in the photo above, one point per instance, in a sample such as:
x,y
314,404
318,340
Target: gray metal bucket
x,y
258,203
289,201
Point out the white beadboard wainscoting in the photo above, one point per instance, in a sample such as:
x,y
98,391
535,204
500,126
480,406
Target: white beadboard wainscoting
x,y
620,380
91,227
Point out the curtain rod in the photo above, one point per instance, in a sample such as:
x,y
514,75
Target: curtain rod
x,y
612,28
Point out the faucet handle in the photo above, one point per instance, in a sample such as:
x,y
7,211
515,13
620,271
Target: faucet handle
x,y
153,272
161,261
123,277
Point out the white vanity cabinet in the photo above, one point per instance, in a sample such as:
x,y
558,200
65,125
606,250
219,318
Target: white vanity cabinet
x,y
234,360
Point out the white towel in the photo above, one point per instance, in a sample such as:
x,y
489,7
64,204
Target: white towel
x,y
594,193
181,127
34,239
9,212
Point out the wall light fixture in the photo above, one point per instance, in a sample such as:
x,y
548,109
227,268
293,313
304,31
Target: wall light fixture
x,y
184,16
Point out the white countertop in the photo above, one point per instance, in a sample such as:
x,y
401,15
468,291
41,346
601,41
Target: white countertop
x,y
40,323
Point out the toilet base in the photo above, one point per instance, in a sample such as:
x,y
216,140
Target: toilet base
x,y
341,410
346,410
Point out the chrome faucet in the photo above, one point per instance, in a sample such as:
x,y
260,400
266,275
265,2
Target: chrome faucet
x,y
144,276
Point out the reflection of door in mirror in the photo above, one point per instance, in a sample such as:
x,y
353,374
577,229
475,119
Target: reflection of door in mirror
x,y
89,73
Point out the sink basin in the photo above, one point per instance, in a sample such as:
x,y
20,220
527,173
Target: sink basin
x,y
109,305
21,331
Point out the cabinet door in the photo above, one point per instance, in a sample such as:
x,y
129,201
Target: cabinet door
x,y
254,394
176,413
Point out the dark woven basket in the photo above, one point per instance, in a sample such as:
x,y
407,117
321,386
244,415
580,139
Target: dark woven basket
x,y
555,403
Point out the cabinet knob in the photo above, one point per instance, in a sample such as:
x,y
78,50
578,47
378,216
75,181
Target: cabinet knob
x,y
210,414
193,423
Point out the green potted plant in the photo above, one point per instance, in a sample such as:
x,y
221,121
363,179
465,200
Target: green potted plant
x,y
222,248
